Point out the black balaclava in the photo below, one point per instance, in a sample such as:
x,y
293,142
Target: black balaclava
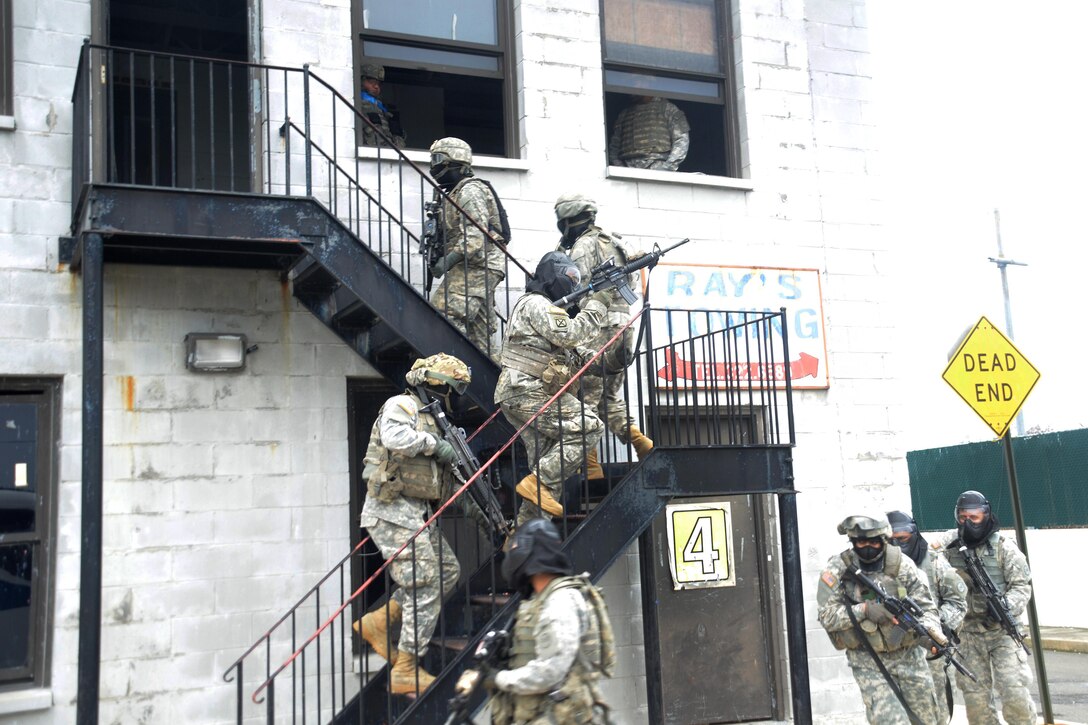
x,y
972,534
872,559
449,174
552,276
535,548
573,227
916,546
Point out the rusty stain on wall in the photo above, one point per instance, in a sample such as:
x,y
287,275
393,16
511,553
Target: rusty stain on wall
x,y
128,392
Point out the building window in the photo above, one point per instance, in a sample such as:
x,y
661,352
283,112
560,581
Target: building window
x,y
447,68
679,50
7,105
29,415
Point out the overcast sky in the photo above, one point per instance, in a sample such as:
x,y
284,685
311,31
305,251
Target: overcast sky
x,y
982,105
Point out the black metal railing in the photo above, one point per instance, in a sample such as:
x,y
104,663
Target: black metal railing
x,y
726,386
205,124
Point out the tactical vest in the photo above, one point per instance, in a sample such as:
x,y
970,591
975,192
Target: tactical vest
x,y
497,223
536,357
645,131
389,475
990,555
576,700
884,637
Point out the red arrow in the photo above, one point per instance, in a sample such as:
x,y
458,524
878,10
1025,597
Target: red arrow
x,y
806,365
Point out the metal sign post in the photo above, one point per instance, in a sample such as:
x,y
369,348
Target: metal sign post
x,y
995,379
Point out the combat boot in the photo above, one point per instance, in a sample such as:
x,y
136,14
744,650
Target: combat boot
x,y
639,441
402,678
529,489
594,472
374,628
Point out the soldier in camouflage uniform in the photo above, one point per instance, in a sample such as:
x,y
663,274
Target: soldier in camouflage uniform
x,y
849,611
407,469
588,246
998,662
562,640
381,114
536,363
474,263
651,133
948,591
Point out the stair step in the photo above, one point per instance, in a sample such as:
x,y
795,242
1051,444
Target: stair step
x,y
310,279
382,339
496,599
350,312
456,644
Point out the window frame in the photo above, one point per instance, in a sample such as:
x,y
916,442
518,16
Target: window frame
x,y
45,393
502,51
725,78
7,60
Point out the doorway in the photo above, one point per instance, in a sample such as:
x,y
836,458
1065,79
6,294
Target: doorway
x,y
178,90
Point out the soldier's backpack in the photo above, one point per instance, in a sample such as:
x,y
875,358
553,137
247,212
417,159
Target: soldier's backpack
x,y
504,221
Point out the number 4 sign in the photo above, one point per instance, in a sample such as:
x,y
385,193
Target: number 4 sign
x,y
700,545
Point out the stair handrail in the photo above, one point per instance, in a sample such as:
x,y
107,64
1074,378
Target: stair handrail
x,y
434,517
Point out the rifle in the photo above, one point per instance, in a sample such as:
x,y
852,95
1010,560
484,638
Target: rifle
x,y
432,245
490,653
908,617
997,604
607,275
466,467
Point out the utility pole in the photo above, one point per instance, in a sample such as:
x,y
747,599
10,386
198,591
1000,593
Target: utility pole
x,y
1002,263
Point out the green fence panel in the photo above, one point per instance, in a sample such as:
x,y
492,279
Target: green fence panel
x,y
1051,468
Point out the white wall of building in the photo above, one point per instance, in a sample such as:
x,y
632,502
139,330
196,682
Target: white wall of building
x,y
226,495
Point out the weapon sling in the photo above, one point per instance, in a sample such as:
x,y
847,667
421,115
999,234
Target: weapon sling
x,y
883,670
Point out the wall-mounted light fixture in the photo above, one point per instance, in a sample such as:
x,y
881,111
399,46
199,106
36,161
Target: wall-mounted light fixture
x,y
212,352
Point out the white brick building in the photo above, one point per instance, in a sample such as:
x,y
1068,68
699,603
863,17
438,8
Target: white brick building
x,y
224,497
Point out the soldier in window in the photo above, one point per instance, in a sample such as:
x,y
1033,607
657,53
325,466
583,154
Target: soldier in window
x,y
651,133
384,116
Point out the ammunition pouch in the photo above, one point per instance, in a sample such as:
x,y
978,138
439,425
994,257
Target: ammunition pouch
x,y
550,370
621,354
411,477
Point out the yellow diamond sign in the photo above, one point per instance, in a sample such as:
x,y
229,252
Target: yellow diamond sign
x,y
991,375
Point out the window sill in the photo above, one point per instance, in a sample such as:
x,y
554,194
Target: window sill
x,y
18,701
423,159
7,123
679,177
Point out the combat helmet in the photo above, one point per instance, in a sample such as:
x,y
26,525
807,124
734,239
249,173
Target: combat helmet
x,y
450,149
572,204
865,527
440,369
373,70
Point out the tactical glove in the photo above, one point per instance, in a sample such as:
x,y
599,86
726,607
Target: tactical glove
x,y
444,453
602,296
447,263
877,613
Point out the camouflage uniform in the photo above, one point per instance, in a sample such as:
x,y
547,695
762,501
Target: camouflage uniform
x,y
559,645
467,293
380,114
896,648
399,495
591,249
1001,666
650,134
950,594
535,364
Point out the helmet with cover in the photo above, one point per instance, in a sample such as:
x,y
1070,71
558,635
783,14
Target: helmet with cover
x,y
975,519
535,548
440,371
574,212
373,70
869,537
451,161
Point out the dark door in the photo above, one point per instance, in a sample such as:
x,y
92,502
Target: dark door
x,y
178,88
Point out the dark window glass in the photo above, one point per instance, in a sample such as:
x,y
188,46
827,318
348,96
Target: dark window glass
x,y
471,21
16,568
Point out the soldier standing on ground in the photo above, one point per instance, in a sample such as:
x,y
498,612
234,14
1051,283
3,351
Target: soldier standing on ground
x,y
1000,664
536,363
562,639
407,470
381,114
602,385
474,263
948,591
651,133
856,622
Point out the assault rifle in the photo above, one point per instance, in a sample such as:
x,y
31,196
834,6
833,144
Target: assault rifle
x,y
490,653
607,275
997,604
465,468
432,245
908,617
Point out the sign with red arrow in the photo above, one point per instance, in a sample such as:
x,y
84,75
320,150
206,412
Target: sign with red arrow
x,y
707,299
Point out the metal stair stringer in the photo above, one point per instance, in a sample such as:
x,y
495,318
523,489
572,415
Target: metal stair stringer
x,y
613,526
354,292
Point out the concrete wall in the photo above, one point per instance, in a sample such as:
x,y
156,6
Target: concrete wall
x,y
226,495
